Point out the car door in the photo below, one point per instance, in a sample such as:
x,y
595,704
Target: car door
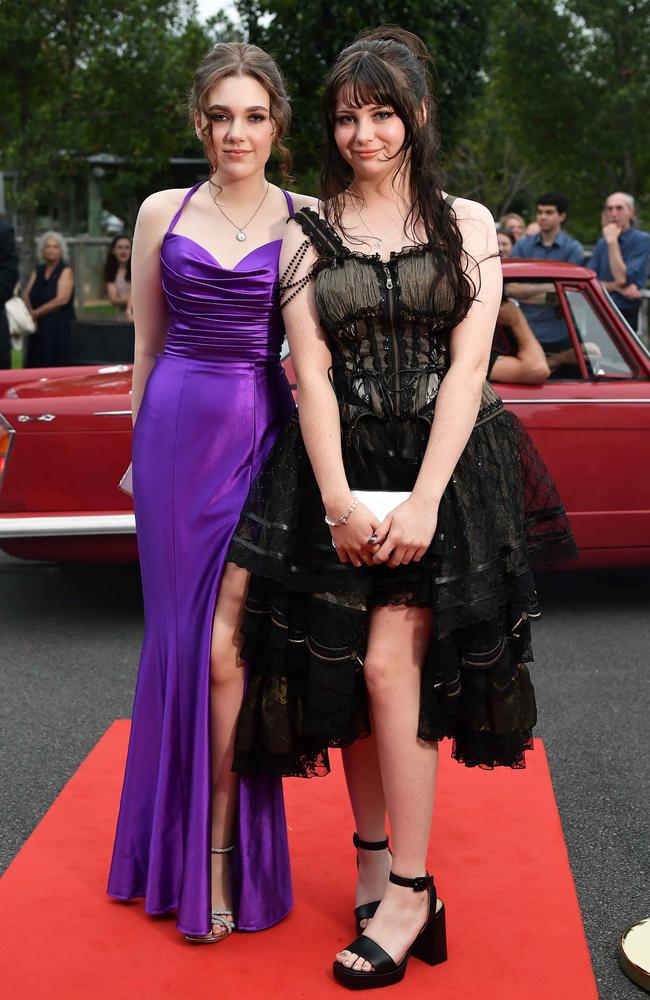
x,y
592,427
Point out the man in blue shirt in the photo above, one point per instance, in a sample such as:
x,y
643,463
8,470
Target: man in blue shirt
x,y
621,257
550,243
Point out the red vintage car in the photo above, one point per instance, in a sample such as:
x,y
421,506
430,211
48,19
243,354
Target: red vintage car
x,y
65,439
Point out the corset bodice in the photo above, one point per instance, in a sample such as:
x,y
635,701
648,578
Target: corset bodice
x,y
388,332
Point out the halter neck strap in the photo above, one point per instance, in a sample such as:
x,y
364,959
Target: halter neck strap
x,y
183,204
292,210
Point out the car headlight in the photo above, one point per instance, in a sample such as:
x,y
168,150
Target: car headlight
x,y
6,440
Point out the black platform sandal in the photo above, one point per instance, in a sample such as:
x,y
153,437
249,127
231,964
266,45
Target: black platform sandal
x,y
367,910
430,945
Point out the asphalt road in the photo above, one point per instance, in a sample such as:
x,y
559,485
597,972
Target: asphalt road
x,y
68,651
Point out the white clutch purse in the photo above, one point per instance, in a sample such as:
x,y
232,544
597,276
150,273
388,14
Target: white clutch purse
x,y
380,502
126,482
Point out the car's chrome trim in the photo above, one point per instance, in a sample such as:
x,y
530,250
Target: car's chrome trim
x,y
66,524
112,413
587,402
629,329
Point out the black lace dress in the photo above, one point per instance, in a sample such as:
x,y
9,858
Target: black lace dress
x,y
306,617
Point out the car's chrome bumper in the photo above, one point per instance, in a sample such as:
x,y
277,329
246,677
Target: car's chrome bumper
x,y
40,526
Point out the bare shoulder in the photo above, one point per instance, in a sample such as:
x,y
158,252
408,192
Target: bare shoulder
x,y
467,210
296,246
301,201
161,205
476,225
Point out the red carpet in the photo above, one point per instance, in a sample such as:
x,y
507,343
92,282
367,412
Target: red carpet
x,y
514,928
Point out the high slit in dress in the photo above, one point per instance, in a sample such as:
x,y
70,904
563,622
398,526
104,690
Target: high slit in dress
x,y
213,406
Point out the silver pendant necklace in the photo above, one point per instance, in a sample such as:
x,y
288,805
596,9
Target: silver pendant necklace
x,y
374,241
241,234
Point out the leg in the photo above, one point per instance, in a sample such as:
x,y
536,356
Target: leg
x,y
397,644
366,793
226,692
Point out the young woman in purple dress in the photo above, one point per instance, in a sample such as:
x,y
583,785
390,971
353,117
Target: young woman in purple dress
x,y
384,630
209,399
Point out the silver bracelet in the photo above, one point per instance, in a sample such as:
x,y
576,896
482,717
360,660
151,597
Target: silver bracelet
x,y
344,518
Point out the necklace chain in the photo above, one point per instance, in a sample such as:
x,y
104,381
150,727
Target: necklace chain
x,y
241,234
376,241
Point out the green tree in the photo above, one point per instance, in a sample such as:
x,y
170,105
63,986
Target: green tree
x,y
306,36
82,77
573,86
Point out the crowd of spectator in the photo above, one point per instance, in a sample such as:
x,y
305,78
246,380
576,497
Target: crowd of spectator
x,y
621,260
48,296
531,338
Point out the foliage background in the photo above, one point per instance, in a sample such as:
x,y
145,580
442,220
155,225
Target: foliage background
x,y
532,95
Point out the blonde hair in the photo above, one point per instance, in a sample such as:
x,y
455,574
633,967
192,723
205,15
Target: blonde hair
x,y
512,215
242,59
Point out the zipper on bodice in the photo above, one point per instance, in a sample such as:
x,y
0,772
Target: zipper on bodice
x,y
390,320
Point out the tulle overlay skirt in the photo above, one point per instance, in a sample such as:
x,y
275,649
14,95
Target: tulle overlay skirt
x,y
307,615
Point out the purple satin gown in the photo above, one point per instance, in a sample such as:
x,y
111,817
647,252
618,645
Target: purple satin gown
x,y
212,408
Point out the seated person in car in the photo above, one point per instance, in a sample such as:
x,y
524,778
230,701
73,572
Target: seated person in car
x,y
517,355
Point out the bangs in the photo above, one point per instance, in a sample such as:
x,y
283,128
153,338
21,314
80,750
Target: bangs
x,y
362,79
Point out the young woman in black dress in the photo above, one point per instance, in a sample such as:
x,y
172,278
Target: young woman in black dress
x,y
410,626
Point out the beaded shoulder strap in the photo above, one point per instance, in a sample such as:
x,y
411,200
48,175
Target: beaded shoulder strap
x,y
324,241
321,235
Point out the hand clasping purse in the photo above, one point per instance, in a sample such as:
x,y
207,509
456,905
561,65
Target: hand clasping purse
x,y
380,502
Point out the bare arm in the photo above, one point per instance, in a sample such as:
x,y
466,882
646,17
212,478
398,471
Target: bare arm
x,y
529,365
532,295
64,290
460,393
318,409
27,290
114,296
149,306
617,266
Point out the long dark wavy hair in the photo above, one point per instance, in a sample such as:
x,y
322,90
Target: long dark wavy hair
x,y
111,265
391,66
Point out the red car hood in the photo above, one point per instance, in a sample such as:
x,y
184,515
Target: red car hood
x,y
109,380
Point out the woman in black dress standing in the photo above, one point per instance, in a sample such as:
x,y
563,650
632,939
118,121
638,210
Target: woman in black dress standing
x,y
384,632
49,298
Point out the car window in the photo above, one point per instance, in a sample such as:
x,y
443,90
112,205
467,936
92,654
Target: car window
x,y
540,304
602,356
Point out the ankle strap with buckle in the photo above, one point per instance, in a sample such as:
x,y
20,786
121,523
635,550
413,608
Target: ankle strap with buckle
x,y
418,884
369,845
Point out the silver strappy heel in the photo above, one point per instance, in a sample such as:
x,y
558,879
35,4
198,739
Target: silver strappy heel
x,y
220,918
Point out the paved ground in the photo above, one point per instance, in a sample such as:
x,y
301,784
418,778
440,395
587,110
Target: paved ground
x,y
68,647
